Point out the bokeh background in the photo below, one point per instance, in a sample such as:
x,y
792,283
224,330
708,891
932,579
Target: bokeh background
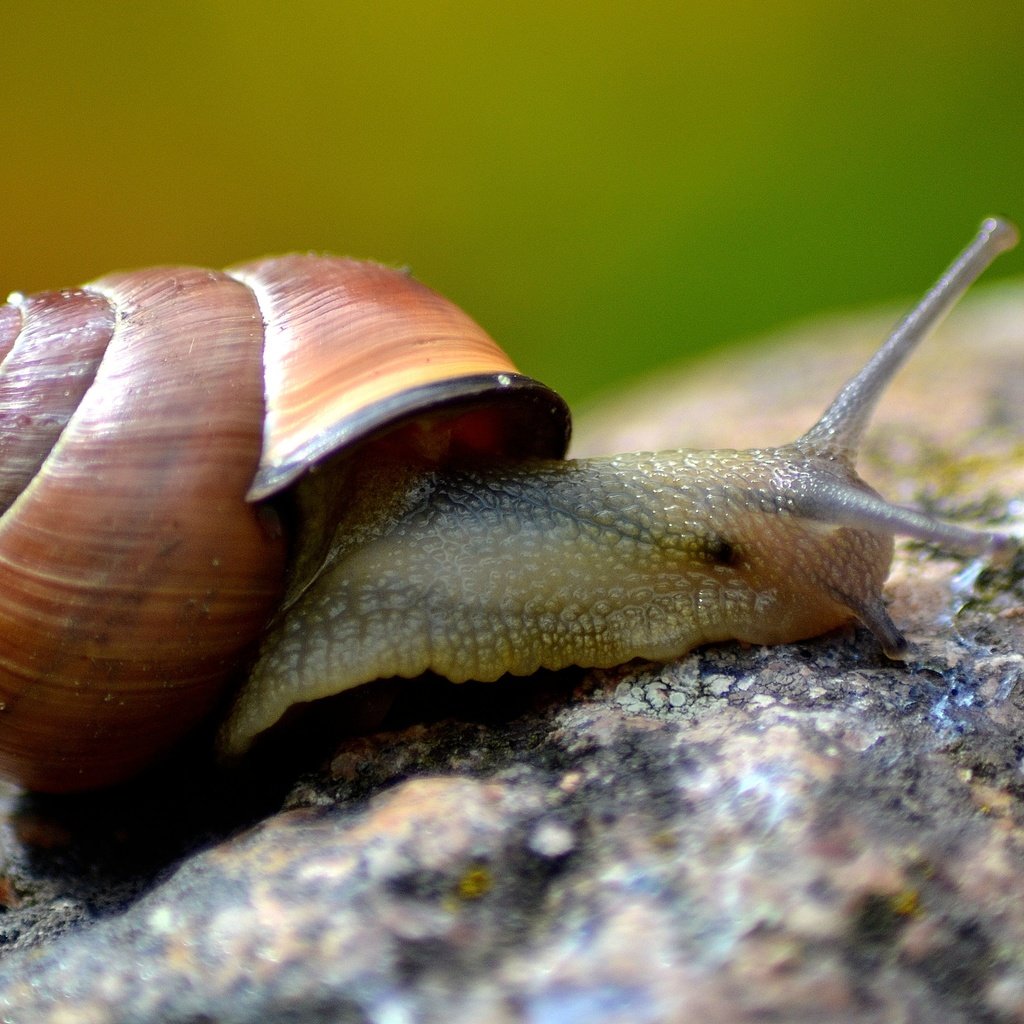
x,y
606,186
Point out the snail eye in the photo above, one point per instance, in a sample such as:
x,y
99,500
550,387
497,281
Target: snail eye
x,y
720,551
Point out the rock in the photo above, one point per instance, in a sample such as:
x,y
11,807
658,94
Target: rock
x,y
798,833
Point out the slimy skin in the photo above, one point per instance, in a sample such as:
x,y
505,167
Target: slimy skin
x,y
478,570
509,568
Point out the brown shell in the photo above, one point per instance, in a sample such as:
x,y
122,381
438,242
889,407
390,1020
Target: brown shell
x,y
140,416
406,350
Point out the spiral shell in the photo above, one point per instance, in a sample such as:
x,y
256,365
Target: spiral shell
x,y
145,419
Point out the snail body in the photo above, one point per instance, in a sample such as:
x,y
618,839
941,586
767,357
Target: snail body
x,y
496,567
508,568
436,525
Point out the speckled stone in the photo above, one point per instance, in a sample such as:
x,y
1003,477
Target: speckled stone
x,y
800,833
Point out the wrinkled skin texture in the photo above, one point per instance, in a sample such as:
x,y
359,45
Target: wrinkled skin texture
x,y
511,567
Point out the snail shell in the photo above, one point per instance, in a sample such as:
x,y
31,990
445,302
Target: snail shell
x,y
144,420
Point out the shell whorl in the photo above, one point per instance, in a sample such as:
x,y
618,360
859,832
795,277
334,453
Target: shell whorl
x,y
121,610
407,351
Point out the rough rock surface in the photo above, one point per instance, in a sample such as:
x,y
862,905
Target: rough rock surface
x,y
800,833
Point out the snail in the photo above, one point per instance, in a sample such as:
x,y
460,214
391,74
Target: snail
x,y
320,471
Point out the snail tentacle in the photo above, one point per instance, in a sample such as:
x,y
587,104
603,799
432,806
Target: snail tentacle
x,y
841,426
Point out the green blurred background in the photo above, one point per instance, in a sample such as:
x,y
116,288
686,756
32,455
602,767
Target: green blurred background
x,y
604,186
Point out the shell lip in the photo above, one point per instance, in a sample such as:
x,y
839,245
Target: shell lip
x,y
535,422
